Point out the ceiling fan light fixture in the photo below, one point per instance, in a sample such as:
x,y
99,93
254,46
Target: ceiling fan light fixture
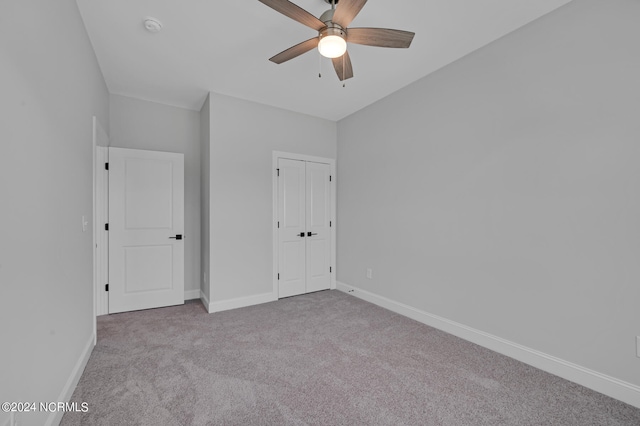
x,y
332,43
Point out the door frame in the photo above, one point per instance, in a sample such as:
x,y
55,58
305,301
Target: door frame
x,y
100,217
276,155
101,234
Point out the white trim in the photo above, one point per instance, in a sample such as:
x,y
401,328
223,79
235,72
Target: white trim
x,y
205,301
334,224
67,391
102,236
100,217
301,157
610,386
274,223
192,294
240,302
94,221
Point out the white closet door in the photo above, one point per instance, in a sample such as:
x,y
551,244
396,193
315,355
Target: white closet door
x,y
291,231
318,214
146,227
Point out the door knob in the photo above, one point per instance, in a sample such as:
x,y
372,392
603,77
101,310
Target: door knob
x,y
177,237
310,234
301,234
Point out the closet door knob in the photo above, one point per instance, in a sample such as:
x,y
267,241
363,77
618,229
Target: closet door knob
x,y
301,234
310,234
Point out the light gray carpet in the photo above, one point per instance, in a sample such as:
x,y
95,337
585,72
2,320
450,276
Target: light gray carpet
x,y
321,359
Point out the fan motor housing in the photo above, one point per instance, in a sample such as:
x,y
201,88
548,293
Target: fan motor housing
x,y
327,16
332,28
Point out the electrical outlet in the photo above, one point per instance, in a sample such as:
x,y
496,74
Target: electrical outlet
x,y
638,346
369,273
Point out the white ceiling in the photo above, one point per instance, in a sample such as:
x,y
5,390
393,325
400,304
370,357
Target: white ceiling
x,y
224,47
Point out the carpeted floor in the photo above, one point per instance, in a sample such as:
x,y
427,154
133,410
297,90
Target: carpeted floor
x,y
321,359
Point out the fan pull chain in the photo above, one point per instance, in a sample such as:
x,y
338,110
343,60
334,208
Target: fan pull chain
x,y
319,65
343,81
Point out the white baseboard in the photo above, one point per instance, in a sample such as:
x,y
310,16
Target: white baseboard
x,y
205,300
610,386
67,391
240,302
191,294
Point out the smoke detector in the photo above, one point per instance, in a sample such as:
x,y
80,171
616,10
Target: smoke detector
x,y
152,25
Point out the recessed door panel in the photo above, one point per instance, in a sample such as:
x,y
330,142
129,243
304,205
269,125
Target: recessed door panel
x,y
317,193
292,177
148,193
292,252
148,268
292,277
318,276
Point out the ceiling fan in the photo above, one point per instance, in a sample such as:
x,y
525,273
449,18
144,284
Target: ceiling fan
x,y
333,34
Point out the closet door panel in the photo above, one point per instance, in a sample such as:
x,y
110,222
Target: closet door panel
x,y
318,214
291,232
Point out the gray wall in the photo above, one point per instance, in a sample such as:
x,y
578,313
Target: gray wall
x,y
503,191
50,87
205,140
139,124
243,136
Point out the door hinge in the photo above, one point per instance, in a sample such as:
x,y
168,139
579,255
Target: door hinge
x,y
278,224
329,178
106,226
329,224
278,171
106,166
278,276
106,287
330,269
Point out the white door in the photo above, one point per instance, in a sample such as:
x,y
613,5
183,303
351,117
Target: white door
x,y
304,238
292,229
318,237
146,229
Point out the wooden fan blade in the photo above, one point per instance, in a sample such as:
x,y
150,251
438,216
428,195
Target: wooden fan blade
x,y
346,10
295,51
343,66
380,37
295,12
